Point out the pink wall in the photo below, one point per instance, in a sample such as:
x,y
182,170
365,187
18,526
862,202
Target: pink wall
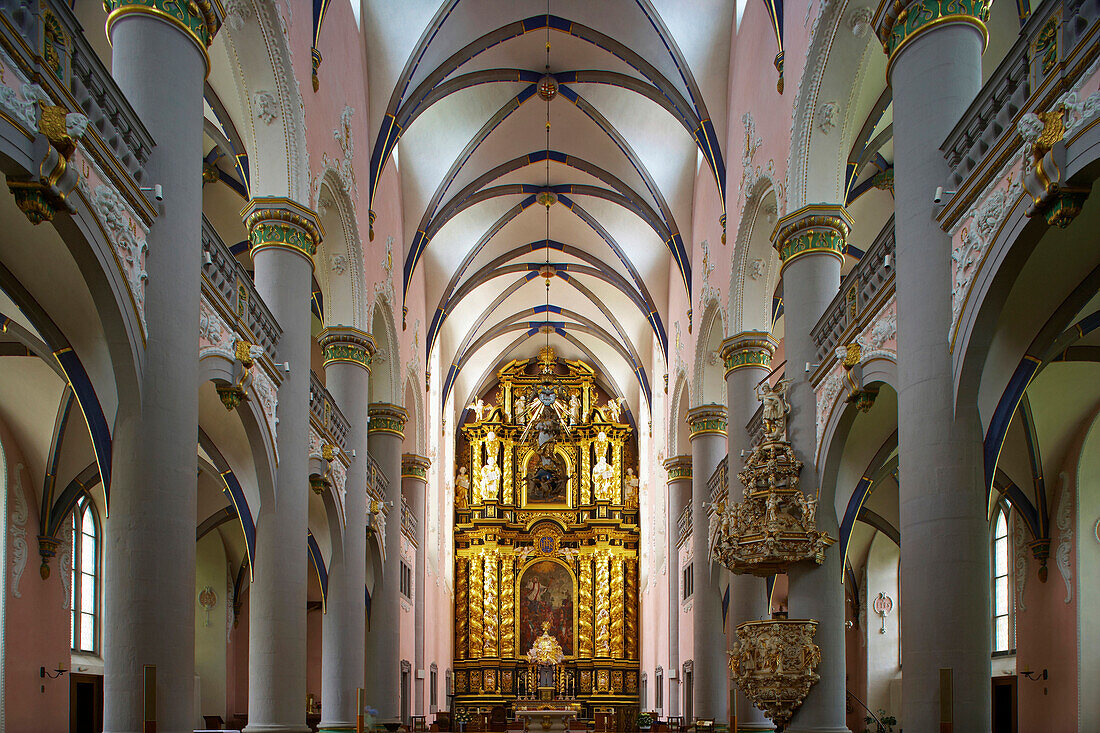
x,y
37,624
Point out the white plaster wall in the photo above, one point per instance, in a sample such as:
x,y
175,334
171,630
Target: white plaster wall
x,y
883,660
1088,570
210,640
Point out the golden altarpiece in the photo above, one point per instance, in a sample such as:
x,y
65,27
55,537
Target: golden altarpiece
x,y
546,543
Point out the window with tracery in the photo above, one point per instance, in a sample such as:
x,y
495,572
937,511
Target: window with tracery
x,y
84,624
1004,632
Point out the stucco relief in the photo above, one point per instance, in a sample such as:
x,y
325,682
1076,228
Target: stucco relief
x,y
1019,569
1065,534
877,339
216,337
19,515
124,229
267,108
976,230
65,565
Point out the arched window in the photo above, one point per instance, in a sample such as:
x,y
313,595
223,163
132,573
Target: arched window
x,y
1004,631
84,626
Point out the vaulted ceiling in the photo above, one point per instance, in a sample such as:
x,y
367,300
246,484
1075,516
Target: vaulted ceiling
x,y
639,106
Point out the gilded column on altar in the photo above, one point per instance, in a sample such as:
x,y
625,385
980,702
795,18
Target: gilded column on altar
x,y
477,606
631,582
490,600
617,606
585,608
507,606
603,605
462,599
586,472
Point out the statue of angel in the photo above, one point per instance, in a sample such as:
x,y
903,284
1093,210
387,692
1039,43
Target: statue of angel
x,y
776,408
614,408
478,408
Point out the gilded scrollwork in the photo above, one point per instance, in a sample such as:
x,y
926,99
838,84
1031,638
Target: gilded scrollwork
x,y
775,664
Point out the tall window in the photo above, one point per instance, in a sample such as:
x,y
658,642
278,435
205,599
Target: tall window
x,y
659,689
84,625
1003,626
433,695
406,581
689,581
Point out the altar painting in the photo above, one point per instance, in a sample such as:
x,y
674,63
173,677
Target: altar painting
x,y
547,479
546,595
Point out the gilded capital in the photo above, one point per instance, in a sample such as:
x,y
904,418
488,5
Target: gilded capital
x,y
346,345
897,22
387,418
414,466
706,420
813,229
748,349
678,468
283,223
199,19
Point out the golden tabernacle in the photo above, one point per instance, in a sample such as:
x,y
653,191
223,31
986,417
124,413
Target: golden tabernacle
x,y
546,545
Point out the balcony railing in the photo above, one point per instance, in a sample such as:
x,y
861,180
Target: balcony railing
x,y
71,73
324,408
718,483
1054,49
408,521
858,291
683,525
376,481
231,282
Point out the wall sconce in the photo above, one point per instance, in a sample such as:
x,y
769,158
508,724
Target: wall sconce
x,y
1035,675
43,672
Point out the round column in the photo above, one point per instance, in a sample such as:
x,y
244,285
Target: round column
x,y
679,497
414,487
385,437
811,246
935,71
150,538
347,354
283,236
707,424
748,358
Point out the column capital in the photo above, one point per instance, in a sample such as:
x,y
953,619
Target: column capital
x,y
414,466
813,229
678,467
199,19
706,420
387,418
748,349
274,221
346,345
899,21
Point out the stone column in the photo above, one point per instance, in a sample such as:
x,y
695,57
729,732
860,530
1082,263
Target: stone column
x,y
811,246
710,663
283,236
748,358
386,434
679,497
414,486
347,354
150,538
935,71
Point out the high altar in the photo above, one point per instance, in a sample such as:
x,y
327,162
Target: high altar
x,y
546,543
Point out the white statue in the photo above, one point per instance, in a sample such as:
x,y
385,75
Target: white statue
x,y
776,407
574,408
462,488
490,472
478,408
602,473
715,524
521,410
614,408
632,483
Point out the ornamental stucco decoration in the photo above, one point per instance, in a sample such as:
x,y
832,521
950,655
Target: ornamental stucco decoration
x,y
775,664
19,515
1065,534
125,230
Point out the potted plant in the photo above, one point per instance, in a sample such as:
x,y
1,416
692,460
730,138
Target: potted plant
x,y
882,723
644,721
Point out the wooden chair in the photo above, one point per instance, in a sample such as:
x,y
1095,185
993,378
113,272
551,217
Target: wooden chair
x,y
675,723
704,724
419,723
